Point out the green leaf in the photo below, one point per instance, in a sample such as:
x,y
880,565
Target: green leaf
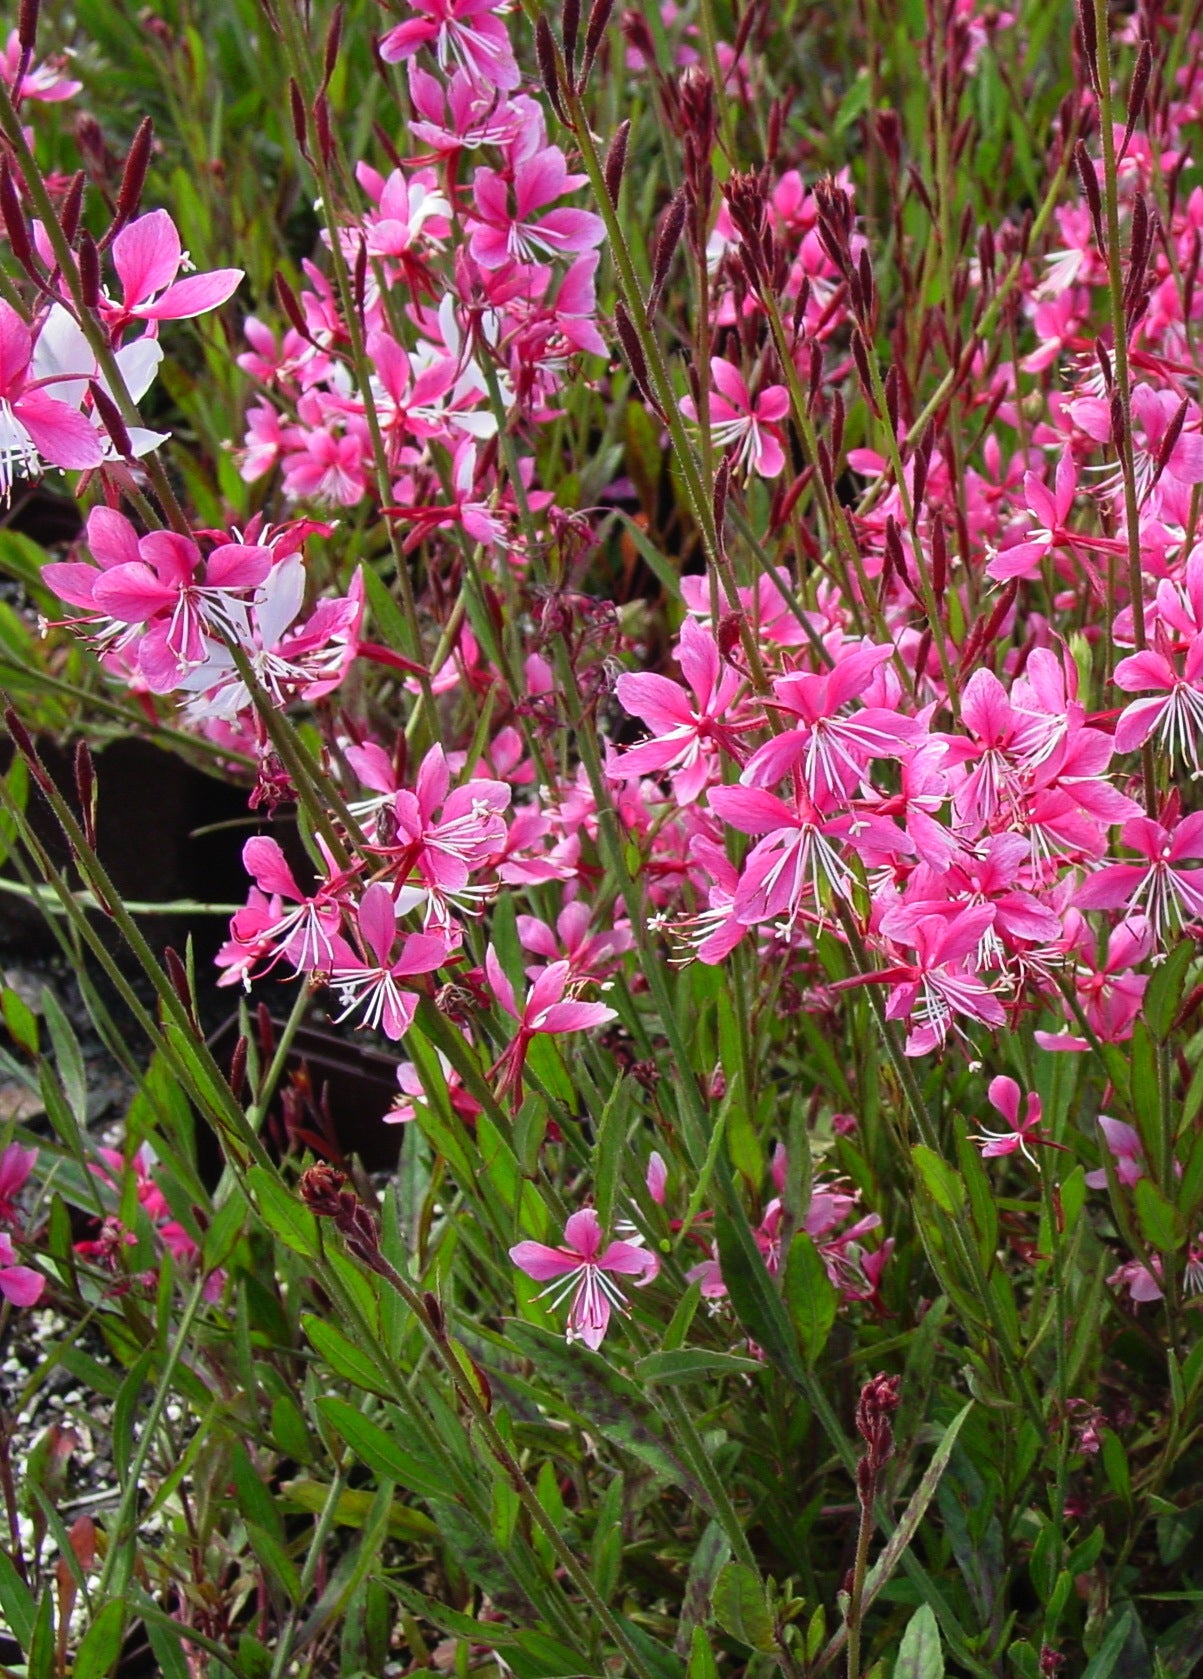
x,y
941,1181
343,1356
810,1295
740,1607
608,1150
277,1563
20,1019
101,1644
381,1451
1109,1651
1163,998
41,1643
757,1304
692,1364
1161,1224
603,1397
68,1058
16,1600
702,1664
284,1215
1115,1467
919,1654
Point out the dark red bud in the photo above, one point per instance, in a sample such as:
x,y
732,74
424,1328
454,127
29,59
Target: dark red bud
x,y
89,270
616,159
112,421
671,228
333,40
1136,94
599,19
238,1060
133,177
71,206
545,53
570,32
27,24
85,787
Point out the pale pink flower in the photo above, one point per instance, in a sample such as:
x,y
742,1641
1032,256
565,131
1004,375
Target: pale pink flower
x,y
16,1163
1126,1149
461,32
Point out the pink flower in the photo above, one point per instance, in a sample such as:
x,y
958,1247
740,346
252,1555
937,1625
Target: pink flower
x,y
657,1177
147,256
735,420
1004,1098
933,989
16,1163
1142,1284
463,32
370,982
688,731
18,1283
1175,712
46,82
1126,1150
1160,888
543,1011
584,1269
500,235
35,427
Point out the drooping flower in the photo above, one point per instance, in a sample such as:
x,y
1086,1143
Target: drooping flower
x,y
584,1267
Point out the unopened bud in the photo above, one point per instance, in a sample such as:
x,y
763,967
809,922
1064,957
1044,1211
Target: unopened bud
x,y
599,19
545,53
616,159
133,177
111,420
27,24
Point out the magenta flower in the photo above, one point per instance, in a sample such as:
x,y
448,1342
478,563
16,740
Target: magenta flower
x,y
16,1163
46,82
584,1269
688,729
463,32
545,1010
371,982
1174,712
833,744
439,835
18,1283
736,421
1004,1098
147,256
932,990
1159,887
500,235
788,870
35,427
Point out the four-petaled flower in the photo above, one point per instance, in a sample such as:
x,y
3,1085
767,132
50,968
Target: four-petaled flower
x,y
585,1266
737,422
